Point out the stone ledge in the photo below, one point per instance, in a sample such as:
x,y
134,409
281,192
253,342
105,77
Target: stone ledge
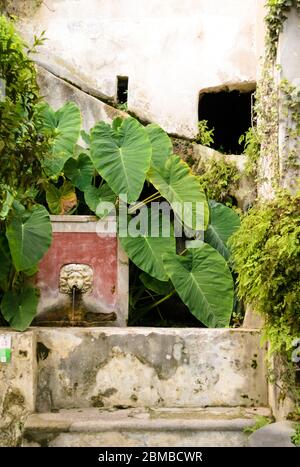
x,y
149,419
220,426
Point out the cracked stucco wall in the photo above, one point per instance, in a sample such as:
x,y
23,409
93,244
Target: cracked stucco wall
x,y
170,50
138,367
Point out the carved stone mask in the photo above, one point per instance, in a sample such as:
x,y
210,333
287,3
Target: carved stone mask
x,y
75,275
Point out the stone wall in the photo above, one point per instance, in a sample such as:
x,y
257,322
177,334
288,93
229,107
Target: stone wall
x,y
142,367
17,386
117,368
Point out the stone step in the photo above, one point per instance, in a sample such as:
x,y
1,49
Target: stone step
x,y
149,367
140,427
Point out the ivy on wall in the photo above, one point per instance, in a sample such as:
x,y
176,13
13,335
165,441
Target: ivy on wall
x,y
266,249
277,14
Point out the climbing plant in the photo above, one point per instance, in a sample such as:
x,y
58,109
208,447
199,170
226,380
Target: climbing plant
x,y
266,247
277,13
219,179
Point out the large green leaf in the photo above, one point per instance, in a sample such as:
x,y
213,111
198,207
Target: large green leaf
x,y
7,205
61,200
94,196
182,189
29,237
5,262
146,250
159,287
80,171
204,283
161,145
223,223
19,307
64,126
122,154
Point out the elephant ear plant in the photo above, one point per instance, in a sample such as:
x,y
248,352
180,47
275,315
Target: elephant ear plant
x,y
42,165
129,157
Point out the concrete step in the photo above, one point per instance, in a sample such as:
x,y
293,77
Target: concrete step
x,y
140,427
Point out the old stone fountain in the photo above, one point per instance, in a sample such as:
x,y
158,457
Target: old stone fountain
x,y
83,279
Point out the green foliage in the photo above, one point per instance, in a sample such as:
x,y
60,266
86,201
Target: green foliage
x,y
223,223
19,307
122,106
155,285
251,142
205,136
63,126
290,104
22,146
38,152
277,11
266,255
296,437
260,422
179,187
61,200
161,145
25,229
219,178
80,171
126,154
29,237
146,250
196,277
94,196
121,154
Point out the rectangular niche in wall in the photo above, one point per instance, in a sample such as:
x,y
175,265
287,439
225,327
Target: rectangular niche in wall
x,y
122,89
229,112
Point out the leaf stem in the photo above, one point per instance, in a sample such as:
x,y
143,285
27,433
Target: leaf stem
x,y
151,198
166,297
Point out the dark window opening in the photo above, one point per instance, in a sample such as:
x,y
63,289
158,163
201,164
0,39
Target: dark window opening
x,y
230,114
122,91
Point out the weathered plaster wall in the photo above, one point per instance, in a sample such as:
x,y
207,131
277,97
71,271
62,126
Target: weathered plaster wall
x,y
57,91
288,57
17,386
170,50
115,368
144,367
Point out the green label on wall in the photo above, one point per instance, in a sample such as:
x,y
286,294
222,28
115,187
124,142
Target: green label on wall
x,y
5,348
5,355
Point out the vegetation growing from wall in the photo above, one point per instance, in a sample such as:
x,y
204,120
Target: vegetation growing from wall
x,y
205,135
266,255
219,179
277,13
296,437
266,251
252,144
260,422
